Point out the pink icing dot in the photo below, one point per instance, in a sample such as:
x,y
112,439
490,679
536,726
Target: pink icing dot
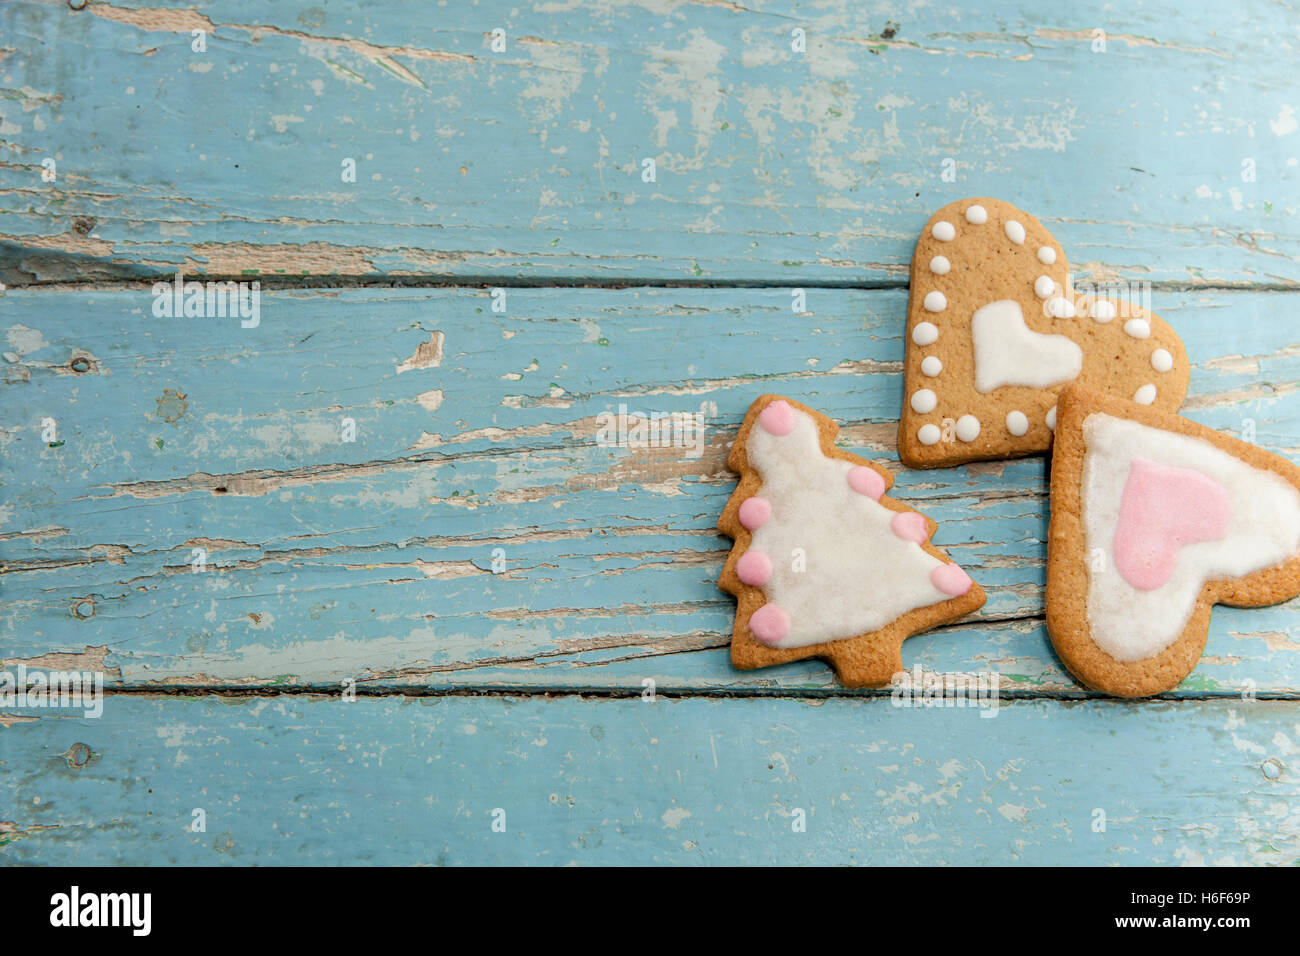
x,y
950,579
777,419
866,481
770,623
754,568
754,512
910,526
1162,509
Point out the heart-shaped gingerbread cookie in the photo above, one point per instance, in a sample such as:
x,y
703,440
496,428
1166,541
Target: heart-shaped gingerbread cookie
x,y
1155,519
996,328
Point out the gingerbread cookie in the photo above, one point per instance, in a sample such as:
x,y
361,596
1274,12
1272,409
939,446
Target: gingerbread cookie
x,y
824,564
1154,520
995,330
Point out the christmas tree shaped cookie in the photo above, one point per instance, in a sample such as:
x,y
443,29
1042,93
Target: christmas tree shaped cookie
x,y
824,564
995,330
1155,519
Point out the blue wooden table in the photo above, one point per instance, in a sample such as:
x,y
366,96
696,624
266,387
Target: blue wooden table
x,y
363,583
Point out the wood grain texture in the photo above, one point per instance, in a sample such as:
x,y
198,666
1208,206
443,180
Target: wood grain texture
x,y
1170,156
300,780
373,559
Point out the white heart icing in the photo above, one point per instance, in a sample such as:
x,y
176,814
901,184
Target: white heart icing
x,y
1008,352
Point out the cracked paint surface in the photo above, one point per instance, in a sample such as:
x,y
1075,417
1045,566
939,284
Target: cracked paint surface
x,y
818,163
476,533
684,782
203,534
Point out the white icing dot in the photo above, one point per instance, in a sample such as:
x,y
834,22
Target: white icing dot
x,y
928,434
1103,310
931,365
1015,232
1046,255
925,333
977,215
1145,395
1060,308
1017,423
1138,328
1044,286
924,400
944,231
940,265
935,301
1161,360
1051,418
968,428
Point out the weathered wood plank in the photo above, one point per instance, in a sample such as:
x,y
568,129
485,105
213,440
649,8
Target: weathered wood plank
x,y
433,375
373,560
1170,156
295,780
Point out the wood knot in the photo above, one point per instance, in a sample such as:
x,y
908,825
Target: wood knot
x,y
78,755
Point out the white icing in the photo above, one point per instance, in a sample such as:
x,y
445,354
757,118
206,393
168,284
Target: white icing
x,y
1017,423
1161,360
924,400
944,231
1138,328
1051,418
1015,232
1103,310
925,333
935,301
1044,286
857,574
931,365
1263,530
1046,255
968,428
977,215
928,434
1145,395
1008,352
940,265
1060,308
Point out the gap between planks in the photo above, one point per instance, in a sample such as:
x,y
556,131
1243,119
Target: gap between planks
x,y
324,283
321,692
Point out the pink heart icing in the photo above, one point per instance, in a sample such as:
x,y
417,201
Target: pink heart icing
x,y
1162,509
